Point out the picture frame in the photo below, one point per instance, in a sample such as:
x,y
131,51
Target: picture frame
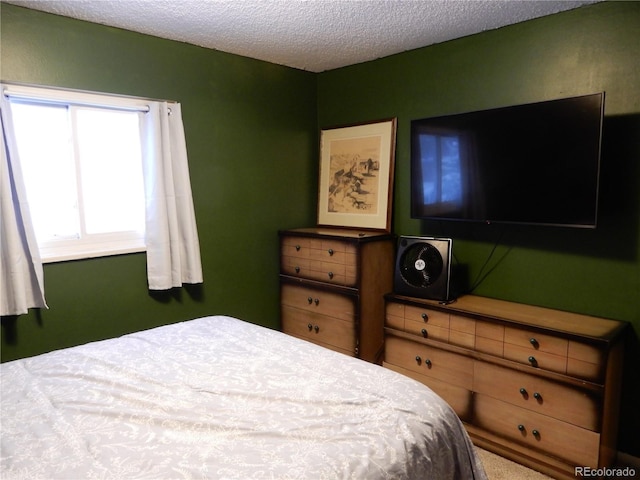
x,y
357,165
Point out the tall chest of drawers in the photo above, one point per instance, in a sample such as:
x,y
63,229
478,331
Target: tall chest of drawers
x,y
536,385
332,287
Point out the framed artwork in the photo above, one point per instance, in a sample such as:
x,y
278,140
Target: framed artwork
x,y
356,175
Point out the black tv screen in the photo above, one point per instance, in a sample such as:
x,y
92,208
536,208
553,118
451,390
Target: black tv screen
x,y
528,164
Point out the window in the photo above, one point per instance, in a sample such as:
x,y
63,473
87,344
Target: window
x,y
81,161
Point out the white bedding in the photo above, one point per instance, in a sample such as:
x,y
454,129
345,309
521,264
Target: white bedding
x,y
219,398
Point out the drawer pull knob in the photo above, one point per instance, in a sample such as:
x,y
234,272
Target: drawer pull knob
x,y
330,252
537,396
297,269
424,332
536,433
427,362
418,359
533,361
298,248
310,327
425,317
310,300
316,328
317,301
523,391
534,342
521,428
330,275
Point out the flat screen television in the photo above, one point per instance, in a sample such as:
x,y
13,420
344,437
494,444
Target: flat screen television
x,y
525,164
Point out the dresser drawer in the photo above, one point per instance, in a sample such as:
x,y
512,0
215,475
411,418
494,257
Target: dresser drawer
x,y
557,438
537,342
328,331
394,315
426,323
535,349
459,398
297,247
318,301
335,251
586,361
544,360
462,331
426,316
423,322
326,260
531,392
336,273
490,338
429,361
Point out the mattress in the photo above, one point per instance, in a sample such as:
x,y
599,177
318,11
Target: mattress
x,y
221,398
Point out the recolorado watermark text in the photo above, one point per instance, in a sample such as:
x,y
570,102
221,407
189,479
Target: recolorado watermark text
x,y
609,472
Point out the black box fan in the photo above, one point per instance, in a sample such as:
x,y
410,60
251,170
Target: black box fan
x,y
423,268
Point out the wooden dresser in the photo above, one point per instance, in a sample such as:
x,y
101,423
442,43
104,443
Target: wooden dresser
x,y
536,385
332,287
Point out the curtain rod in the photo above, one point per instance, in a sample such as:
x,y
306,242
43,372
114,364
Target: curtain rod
x,y
53,101
87,92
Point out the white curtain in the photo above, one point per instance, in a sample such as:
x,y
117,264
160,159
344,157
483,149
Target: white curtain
x,y
21,273
173,249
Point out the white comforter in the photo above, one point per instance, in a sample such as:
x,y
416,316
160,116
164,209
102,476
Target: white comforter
x,y
219,398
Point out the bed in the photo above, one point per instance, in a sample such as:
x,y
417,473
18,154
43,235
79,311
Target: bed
x,y
221,398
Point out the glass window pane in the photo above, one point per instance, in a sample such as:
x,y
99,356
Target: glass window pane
x,y
111,170
45,150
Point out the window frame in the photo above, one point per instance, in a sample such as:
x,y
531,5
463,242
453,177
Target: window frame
x,y
94,245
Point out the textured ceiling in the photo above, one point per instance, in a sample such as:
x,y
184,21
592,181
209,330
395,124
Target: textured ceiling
x,y
314,35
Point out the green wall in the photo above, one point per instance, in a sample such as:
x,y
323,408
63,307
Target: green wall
x,y
588,50
251,131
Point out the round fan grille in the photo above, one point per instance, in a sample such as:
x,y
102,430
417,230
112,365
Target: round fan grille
x,y
420,265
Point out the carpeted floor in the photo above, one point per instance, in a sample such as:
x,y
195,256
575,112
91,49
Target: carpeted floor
x,y
499,468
